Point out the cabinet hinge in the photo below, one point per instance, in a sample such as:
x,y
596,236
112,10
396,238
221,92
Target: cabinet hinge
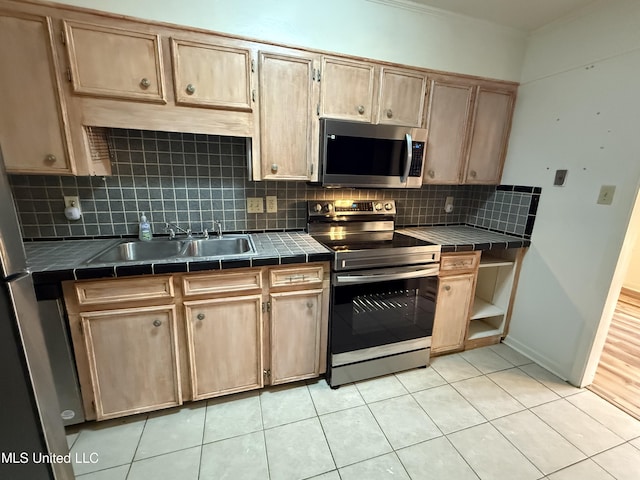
x,y
253,65
253,95
68,72
266,373
311,170
81,329
93,405
269,306
318,109
63,37
319,75
266,307
313,75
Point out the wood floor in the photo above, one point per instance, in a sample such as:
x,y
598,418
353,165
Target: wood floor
x,y
618,375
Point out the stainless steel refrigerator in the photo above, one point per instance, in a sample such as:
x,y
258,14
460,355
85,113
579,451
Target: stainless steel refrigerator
x,y
30,423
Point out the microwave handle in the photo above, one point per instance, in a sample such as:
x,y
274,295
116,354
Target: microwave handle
x,y
408,159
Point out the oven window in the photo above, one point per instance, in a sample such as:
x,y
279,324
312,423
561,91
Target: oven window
x,y
375,314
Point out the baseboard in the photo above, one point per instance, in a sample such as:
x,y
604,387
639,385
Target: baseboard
x,y
534,356
629,295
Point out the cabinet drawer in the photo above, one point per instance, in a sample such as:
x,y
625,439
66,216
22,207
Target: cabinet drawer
x,y
207,283
459,262
286,277
121,290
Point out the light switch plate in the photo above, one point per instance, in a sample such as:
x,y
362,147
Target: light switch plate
x,y
272,204
561,176
606,194
255,205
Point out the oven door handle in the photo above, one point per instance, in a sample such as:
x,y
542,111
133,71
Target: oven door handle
x,y
386,276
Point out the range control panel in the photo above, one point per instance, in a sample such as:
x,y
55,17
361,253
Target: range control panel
x,y
324,208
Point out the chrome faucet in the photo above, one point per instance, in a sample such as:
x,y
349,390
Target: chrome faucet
x,y
171,228
217,226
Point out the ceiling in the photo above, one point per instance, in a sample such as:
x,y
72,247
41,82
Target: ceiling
x,y
521,14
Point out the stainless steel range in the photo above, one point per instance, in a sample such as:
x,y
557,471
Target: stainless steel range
x,y
383,289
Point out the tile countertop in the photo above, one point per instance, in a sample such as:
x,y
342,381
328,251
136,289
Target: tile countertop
x,y
56,261
463,238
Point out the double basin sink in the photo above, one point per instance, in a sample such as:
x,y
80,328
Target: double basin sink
x,y
163,249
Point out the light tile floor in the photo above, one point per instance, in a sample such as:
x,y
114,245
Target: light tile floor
x,y
485,414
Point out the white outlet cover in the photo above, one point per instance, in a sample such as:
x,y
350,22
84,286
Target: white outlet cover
x,y
70,201
272,204
606,194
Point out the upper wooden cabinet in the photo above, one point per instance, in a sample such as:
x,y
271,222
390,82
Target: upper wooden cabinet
x,y
112,62
346,89
211,75
468,129
33,124
402,97
289,126
449,114
489,135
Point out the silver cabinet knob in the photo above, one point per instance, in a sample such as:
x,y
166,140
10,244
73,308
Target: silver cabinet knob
x,y
157,323
145,83
447,287
389,113
360,109
200,316
431,174
309,304
473,174
191,89
274,168
50,158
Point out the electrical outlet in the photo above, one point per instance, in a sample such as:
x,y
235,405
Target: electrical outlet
x,y
606,194
448,205
71,202
272,204
255,205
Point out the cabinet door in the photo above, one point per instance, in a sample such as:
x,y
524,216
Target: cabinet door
x,y
402,97
113,62
347,89
225,345
288,123
447,124
296,319
452,312
213,76
33,137
489,136
133,359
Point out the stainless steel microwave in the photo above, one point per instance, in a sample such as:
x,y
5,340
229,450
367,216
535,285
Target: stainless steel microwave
x,y
354,154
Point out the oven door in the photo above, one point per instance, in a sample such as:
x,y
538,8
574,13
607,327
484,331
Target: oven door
x,y
374,308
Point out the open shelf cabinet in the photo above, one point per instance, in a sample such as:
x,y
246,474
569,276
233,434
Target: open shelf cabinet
x,y
494,285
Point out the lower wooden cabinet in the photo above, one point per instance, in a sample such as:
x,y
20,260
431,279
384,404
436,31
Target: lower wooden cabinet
x,y
296,326
168,338
224,338
133,359
452,313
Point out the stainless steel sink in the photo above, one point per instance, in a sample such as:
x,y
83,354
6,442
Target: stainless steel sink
x,y
162,249
216,247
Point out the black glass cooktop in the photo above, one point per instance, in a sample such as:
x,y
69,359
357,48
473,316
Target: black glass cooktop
x,y
369,241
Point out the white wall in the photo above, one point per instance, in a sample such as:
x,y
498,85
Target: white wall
x,y
632,279
419,37
578,109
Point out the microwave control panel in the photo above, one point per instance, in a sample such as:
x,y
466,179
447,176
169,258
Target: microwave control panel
x,y
417,156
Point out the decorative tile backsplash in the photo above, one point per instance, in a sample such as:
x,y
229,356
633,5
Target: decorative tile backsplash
x,y
196,179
